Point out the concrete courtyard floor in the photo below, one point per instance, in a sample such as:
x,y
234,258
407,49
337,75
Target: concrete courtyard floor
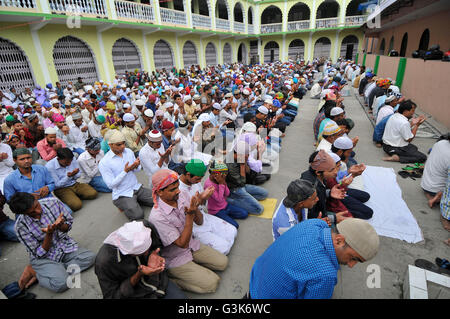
x,y
99,217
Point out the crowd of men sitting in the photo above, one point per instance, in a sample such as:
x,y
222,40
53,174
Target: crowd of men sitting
x,y
223,125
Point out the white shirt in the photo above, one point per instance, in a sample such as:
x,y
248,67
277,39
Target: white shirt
x,y
397,131
316,90
95,129
76,138
324,145
435,173
112,169
6,164
149,160
89,166
383,112
85,114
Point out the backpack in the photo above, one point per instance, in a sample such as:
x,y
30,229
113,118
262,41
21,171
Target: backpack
x,y
433,53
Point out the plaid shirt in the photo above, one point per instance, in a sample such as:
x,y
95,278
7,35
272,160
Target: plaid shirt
x,y
445,200
29,231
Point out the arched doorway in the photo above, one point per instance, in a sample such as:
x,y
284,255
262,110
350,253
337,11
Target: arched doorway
x,y
296,49
349,47
242,54
404,44
189,55
211,55
227,54
382,47
322,48
298,17
73,59
271,52
162,55
424,40
15,71
271,20
125,56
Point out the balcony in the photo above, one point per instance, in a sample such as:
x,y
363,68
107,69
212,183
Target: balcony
x,y
239,27
18,4
326,23
251,29
298,25
201,21
173,16
222,24
271,28
134,11
95,8
355,20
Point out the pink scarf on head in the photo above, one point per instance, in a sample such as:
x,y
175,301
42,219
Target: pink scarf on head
x,y
323,162
160,180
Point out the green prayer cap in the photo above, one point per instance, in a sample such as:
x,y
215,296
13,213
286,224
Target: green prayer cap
x,y
101,119
10,118
196,167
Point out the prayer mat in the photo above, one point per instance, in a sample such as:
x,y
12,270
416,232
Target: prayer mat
x,y
270,205
391,216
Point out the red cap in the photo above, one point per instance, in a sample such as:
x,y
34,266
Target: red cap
x,y
166,125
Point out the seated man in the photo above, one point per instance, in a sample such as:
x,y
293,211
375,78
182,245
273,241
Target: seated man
x,y
42,226
304,262
242,194
173,216
434,177
65,171
88,162
28,178
153,156
214,232
293,209
398,134
118,169
78,134
48,146
133,132
128,265
6,224
330,133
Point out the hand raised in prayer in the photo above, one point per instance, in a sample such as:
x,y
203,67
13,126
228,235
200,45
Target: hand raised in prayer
x,y
325,219
50,229
59,221
341,216
207,193
56,146
337,192
129,168
357,170
73,173
195,202
155,264
41,192
84,128
355,140
347,180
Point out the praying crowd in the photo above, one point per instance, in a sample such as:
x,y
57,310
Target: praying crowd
x,y
207,140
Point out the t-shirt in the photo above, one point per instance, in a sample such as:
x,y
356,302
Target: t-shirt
x,y
434,177
397,131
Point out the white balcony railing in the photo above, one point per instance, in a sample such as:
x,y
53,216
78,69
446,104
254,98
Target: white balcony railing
x,y
251,29
173,16
326,23
89,7
355,20
134,11
271,28
19,4
222,24
298,25
201,21
239,27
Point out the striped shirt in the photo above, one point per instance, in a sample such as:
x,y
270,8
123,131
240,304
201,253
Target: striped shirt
x,y
30,234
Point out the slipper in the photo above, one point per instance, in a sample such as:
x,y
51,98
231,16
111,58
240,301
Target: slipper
x,y
427,265
406,174
443,263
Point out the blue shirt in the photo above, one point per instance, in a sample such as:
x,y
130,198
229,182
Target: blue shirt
x,y
301,264
59,173
284,219
16,182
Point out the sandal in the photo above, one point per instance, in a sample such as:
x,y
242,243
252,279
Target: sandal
x,y
427,265
443,263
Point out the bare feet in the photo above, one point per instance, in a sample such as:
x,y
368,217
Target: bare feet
x,y
445,223
447,242
378,145
434,200
28,278
393,158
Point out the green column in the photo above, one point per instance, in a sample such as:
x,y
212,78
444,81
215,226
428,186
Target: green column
x,y
364,60
400,72
377,61
356,58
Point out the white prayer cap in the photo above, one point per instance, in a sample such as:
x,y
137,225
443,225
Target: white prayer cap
x,y
217,106
139,102
124,85
113,98
148,113
246,92
76,100
262,109
50,130
186,98
249,127
54,101
224,103
268,101
76,116
133,238
26,115
126,106
196,97
336,111
336,158
52,95
343,143
128,117
168,104
394,89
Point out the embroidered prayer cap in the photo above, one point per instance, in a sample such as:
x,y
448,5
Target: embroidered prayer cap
x,y
116,137
360,236
101,119
133,238
50,130
218,166
76,116
166,125
298,191
110,106
93,143
196,167
331,128
128,117
154,136
336,111
148,113
343,143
